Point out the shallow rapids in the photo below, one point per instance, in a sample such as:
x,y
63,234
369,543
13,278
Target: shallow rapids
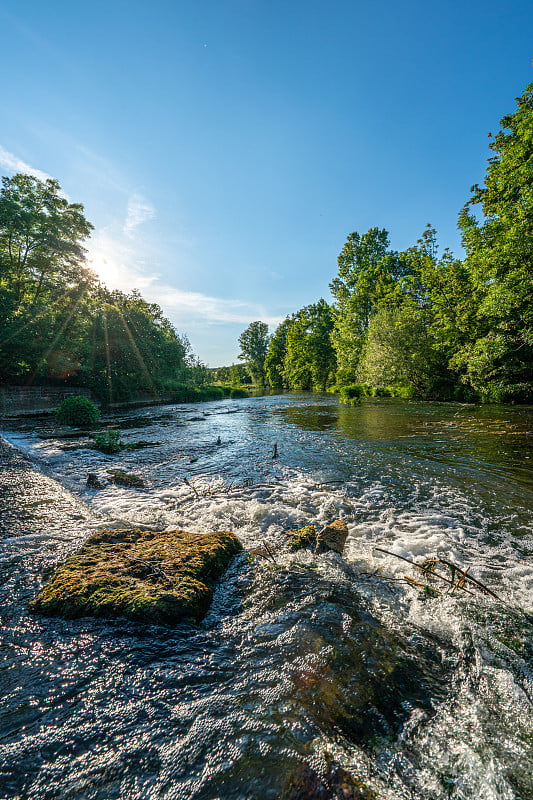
x,y
418,697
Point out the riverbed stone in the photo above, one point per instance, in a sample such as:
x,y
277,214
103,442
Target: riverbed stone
x,y
150,576
93,482
126,479
300,538
332,537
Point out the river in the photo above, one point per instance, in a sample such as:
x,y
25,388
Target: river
x,y
302,658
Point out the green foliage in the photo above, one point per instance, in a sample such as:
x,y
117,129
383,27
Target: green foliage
x,y
276,355
254,345
108,441
352,394
309,361
369,274
194,394
237,392
58,325
78,411
497,357
399,349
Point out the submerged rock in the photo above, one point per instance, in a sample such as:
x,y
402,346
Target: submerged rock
x,y
150,576
332,537
305,784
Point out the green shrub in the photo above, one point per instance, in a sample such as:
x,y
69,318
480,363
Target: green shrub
x,y
236,392
78,411
381,391
193,394
405,392
351,395
108,442
518,393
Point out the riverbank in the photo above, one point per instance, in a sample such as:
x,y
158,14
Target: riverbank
x,y
28,401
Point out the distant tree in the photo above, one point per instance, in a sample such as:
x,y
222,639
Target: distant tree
x,y
234,375
310,361
254,345
276,354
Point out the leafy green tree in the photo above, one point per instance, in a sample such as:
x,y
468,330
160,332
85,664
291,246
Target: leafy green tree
x,y
310,361
498,359
399,350
254,346
234,375
44,282
368,272
276,354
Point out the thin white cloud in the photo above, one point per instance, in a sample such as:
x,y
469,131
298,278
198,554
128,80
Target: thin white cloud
x,y
196,306
115,259
139,211
12,163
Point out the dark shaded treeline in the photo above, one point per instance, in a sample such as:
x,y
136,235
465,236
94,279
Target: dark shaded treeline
x,y
58,324
420,323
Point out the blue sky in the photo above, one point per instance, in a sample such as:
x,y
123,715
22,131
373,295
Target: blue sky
x,y
224,149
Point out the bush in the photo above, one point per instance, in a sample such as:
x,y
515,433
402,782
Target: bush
x,y
381,391
192,394
78,411
351,395
236,392
404,392
108,442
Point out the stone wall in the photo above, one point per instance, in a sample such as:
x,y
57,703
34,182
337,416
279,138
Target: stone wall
x,y
19,400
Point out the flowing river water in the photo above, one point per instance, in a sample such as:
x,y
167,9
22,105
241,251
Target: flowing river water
x,y
306,659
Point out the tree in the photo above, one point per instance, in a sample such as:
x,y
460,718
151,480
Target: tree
x,y
399,350
368,272
44,282
254,346
310,361
275,357
498,359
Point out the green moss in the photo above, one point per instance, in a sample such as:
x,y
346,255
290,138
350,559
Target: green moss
x,y
127,479
302,537
160,577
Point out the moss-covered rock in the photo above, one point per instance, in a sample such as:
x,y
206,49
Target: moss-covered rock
x,y
127,479
302,537
156,577
331,537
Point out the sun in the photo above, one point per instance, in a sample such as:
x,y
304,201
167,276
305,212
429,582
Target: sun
x,y
104,266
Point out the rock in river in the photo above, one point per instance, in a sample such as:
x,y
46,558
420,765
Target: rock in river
x,y
150,576
331,537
